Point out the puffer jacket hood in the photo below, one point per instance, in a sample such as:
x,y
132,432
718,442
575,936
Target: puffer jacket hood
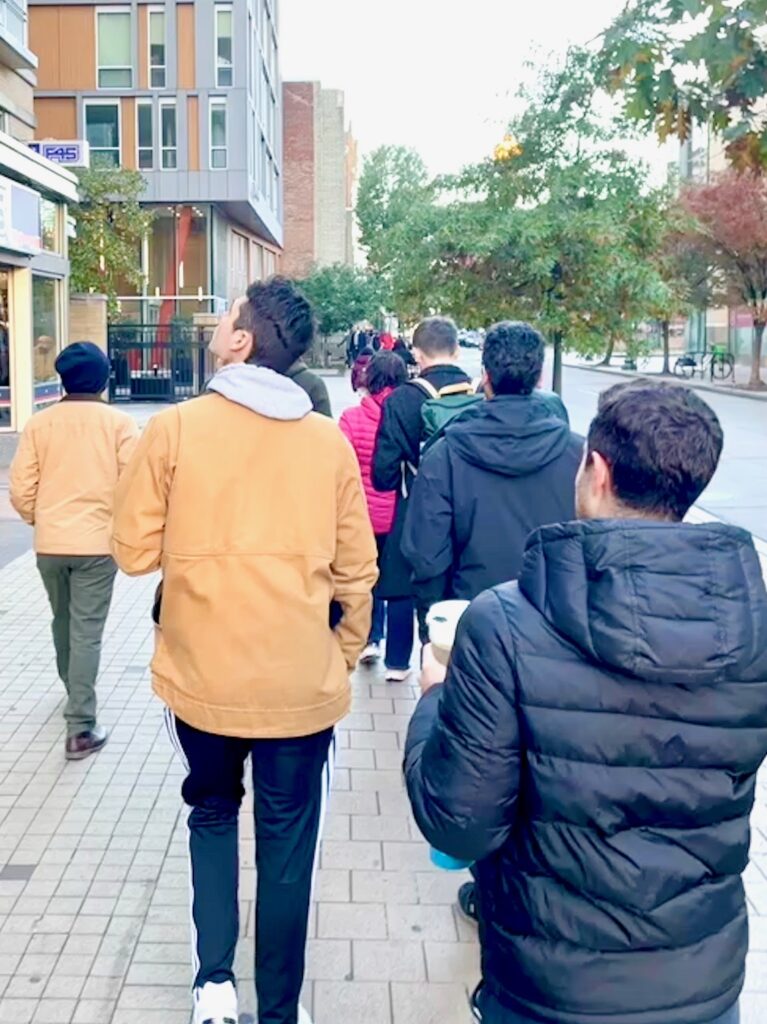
x,y
599,584
262,390
513,435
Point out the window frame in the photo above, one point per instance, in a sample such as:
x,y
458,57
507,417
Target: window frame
x,y
106,11
112,102
156,67
144,103
219,8
218,103
168,103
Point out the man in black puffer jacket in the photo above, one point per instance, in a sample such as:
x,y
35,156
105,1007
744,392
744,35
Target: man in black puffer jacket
x,y
595,746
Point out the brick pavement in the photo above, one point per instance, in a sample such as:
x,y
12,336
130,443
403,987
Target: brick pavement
x,y
93,871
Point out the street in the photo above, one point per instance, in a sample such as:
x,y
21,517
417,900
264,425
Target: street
x,y
738,492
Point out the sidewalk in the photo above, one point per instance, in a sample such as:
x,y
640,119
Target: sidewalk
x,y
93,872
650,365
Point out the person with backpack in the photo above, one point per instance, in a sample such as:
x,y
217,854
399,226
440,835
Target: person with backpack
x,y
394,618
492,476
403,430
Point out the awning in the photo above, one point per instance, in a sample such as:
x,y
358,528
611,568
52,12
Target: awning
x,y
18,161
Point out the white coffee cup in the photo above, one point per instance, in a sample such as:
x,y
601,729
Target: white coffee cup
x,y
442,620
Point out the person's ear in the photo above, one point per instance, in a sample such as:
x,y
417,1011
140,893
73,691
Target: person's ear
x,y
601,477
485,384
243,343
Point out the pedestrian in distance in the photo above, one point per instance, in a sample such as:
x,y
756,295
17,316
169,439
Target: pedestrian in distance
x,y
594,748
253,508
359,369
401,349
402,432
393,619
62,482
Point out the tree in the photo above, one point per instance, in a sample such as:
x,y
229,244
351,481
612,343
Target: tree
x,y
682,61
730,234
393,185
341,297
110,228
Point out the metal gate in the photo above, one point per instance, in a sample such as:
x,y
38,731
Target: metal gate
x,y
155,363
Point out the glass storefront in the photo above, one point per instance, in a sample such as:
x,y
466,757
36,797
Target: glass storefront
x,y
5,352
45,340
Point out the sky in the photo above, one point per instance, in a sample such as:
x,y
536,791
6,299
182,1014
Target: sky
x,y
431,74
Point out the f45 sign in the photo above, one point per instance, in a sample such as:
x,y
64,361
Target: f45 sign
x,y
71,152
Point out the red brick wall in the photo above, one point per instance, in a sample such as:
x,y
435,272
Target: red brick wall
x,y
299,170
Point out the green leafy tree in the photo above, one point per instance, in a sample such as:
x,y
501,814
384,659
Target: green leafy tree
x,y
682,61
110,227
394,185
341,297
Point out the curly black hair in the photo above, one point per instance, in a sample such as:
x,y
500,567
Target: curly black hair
x,y
281,321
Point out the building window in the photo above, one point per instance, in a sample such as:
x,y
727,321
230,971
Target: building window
x,y
13,19
115,59
224,64
102,130
157,49
50,227
45,347
168,135
218,153
145,135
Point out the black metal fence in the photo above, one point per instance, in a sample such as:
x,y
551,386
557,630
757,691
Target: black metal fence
x,y
157,363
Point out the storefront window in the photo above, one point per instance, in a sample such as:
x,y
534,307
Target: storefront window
x,y
49,216
5,354
45,344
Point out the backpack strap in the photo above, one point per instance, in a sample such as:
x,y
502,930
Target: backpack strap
x,y
465,387
425,385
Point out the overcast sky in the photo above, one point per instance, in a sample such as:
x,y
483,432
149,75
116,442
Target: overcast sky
x,y
430,74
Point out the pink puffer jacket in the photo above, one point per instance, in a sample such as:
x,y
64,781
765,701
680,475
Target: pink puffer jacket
x,y
360,425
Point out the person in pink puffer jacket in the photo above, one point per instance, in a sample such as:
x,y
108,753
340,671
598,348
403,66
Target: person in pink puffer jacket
x,y
394,619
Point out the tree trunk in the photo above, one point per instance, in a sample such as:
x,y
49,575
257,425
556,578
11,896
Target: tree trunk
x,y
608,353
556,383
756,356
666,329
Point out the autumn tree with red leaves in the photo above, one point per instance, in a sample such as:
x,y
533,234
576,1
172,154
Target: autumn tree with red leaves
x,y
730,233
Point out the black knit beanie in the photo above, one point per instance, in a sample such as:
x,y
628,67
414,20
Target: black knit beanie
x,y
83,368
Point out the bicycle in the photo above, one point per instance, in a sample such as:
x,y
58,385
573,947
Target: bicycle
x,y
719,363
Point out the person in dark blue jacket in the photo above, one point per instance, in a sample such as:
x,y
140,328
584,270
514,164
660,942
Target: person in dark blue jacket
x,y
595,745
503,468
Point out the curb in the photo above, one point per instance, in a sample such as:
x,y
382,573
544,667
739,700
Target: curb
x,y
702,386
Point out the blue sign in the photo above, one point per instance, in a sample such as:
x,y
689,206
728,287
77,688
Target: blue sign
x,y
71,152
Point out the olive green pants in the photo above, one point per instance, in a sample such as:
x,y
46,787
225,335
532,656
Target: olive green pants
x,y
79,589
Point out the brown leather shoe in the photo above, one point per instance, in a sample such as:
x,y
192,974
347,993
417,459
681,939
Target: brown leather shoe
x,y
85,744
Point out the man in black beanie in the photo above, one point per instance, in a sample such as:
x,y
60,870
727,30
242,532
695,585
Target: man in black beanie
x,y
63,480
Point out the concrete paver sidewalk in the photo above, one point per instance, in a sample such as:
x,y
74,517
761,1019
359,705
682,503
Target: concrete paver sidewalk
x,y
94,920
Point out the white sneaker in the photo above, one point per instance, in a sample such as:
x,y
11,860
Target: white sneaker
x,y
215,1004
303,1016
370,655
397,675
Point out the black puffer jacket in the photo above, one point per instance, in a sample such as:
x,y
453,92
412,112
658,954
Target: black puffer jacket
x,y
595,749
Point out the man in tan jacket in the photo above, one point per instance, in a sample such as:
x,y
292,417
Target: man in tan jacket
x,y
252,506
62,482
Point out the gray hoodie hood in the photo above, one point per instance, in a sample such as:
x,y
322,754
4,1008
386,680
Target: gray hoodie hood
x,y
262,391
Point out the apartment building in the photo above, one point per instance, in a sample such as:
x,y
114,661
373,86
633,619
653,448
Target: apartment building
x,y
34,194
188,94
320,179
